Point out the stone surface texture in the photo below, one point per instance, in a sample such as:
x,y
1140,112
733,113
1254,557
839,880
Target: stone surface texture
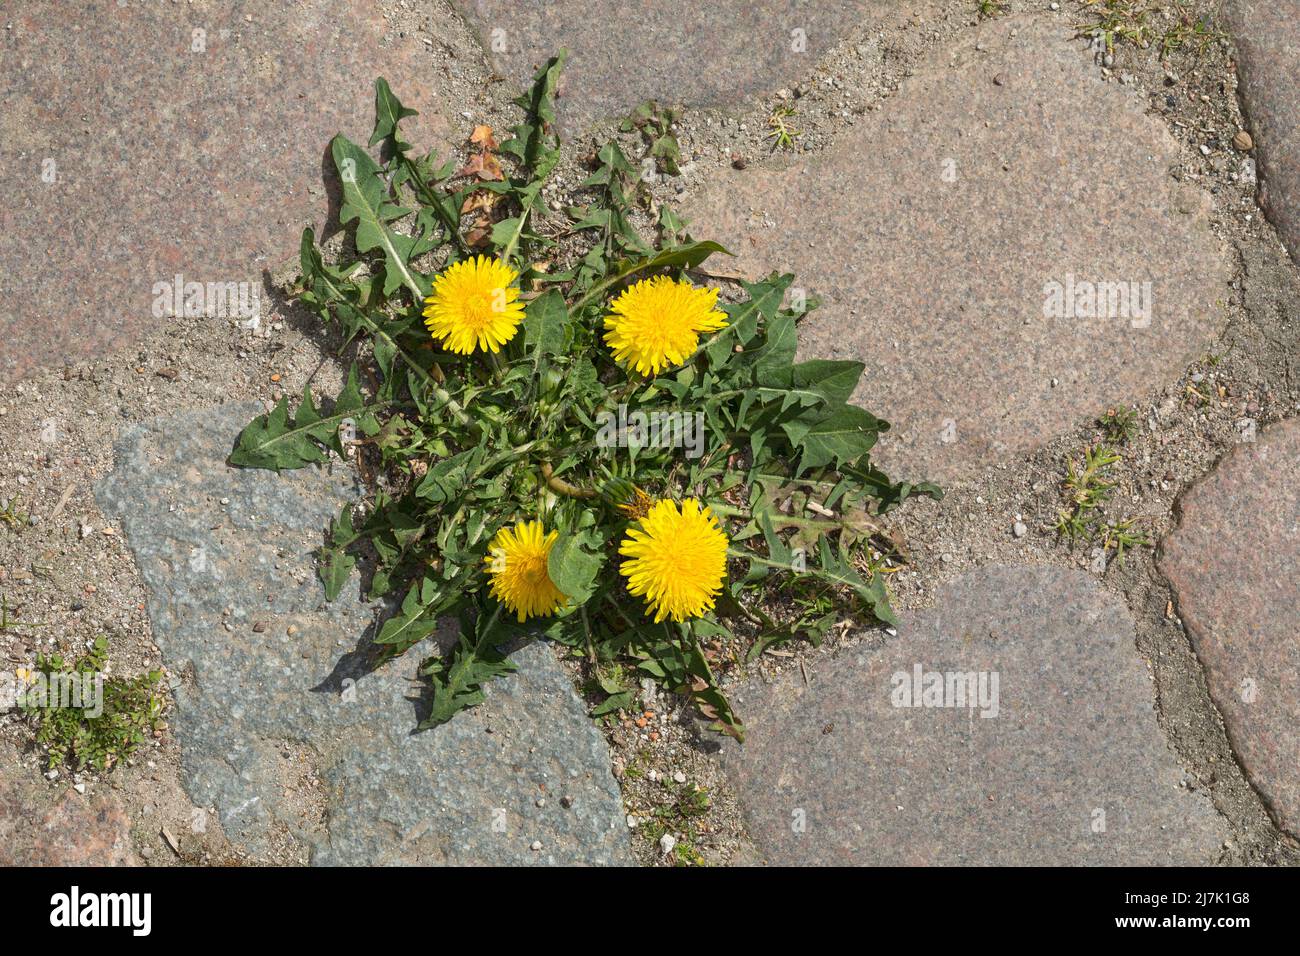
x,y
261,714
39,827
1234,564
932,229
674,51
1267,35
1075,736
134,148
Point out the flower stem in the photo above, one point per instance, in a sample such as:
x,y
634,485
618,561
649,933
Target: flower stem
x,y
781,519
562,487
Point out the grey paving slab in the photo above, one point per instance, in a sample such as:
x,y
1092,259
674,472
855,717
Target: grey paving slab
x,y
262,713
1234,564
675,51
958,238
1267,36
142,141
1054,757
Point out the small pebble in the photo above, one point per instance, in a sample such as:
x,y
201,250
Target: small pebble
x,y
1019,529
1243,141
679,777
666,844
535,845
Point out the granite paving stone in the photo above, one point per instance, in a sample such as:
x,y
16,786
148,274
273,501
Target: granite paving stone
x,y
143,141
674,51
1060,762
62,828
958,238
226,559
1267,36
1234,565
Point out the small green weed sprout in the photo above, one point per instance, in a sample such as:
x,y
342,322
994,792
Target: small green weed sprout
x,y
86,718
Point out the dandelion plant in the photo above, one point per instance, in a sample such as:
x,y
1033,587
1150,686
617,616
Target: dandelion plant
x,y
579,443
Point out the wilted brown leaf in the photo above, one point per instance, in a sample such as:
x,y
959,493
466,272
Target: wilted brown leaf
x,y
483,165
480,200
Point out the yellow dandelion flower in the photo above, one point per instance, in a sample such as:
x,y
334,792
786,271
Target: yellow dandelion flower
x,y
679,558
474,306
656,323
516,562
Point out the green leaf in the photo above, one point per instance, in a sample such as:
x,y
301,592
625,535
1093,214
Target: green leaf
x,y
329,290
843,434
742,317
833,381
666,149
335,568
615,702
366,200
277,442
772,360
890,494
573,567
687,256
389,111
621,697
546,320
458,683
412,624
834,567
532,143
335,565
448,478
778,552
